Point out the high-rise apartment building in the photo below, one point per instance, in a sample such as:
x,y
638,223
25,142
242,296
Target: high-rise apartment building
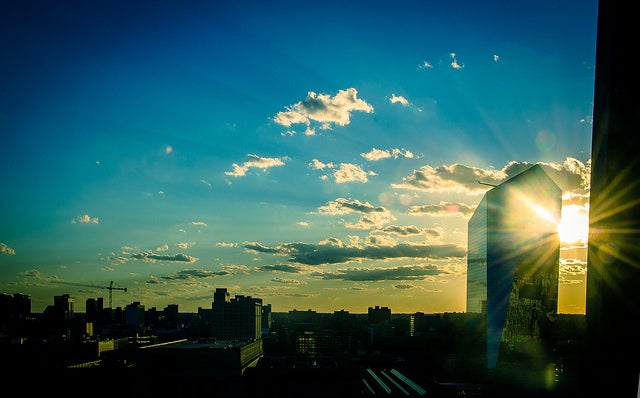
x,y
236,318
512,264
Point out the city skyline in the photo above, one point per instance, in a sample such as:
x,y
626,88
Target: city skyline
x,y
319,159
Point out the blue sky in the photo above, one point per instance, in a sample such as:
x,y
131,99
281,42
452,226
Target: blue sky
x,y
318,156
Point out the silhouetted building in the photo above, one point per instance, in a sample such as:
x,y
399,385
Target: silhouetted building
x,y
613,265
513,260
14,307
265,324
236,318
134,314
170,316
379,314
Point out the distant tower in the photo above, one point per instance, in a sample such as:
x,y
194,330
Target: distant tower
x,y
512,264
63,306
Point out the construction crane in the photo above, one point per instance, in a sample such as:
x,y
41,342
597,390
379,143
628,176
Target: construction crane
x,y
110,288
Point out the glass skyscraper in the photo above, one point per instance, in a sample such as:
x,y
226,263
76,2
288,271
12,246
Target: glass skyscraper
x,y
512,264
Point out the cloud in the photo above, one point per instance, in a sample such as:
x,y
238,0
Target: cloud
x,y
286,281
454,62
377,154
32,273
403,273
289,268
192,274
425,65
227,244
255,162
372,217
348,172
345,206
85,219
571,176
4,249
318,165
152,257
409,230
344,172
451,178
442,209
312,254
323,109
398,99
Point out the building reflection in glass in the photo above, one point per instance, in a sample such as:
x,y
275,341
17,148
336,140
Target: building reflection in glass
x,y
512,266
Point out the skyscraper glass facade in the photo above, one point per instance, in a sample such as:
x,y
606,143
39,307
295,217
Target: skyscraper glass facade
x,y
512,264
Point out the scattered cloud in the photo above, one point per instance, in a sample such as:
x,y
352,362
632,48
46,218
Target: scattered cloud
x,y
409,230
85,219
4,249
442,209
454,62
323,254
192,274
318,165
286,281
345,206
425,65
152,257
288,268
33,273
348,172
377,154
398,99
403,273
571,176
255,162
344,172
323,109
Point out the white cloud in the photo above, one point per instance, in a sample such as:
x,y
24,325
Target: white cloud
x,y
454,63
4,249
378,154
398,99
255,162
85,219
425,65
324,109
348,172
318,165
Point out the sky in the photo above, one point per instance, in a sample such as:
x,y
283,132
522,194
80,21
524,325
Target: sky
x,y
317,156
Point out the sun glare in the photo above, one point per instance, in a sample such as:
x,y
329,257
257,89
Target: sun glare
x,y
574,224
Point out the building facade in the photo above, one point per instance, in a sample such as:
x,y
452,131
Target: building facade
x,y
236,318
513,263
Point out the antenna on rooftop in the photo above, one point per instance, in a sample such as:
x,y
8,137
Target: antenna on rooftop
x,y
486,183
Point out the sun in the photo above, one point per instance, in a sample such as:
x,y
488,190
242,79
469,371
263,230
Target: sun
x,y
574,225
